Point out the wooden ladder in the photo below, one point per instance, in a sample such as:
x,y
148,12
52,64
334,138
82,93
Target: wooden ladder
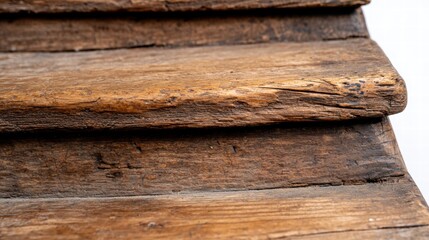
x,y
199,119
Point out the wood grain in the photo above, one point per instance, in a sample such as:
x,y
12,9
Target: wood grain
x,y
265,214
160,162
198,87
420,232
71,33
50,6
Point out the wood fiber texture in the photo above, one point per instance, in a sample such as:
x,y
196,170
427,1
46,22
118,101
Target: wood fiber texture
x,y
71,33
54,6
303,213
420,232
220,86
136,163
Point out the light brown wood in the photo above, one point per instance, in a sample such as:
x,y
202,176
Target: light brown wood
x,y
420,232
136,163
265,214
71,33
198,87
164,5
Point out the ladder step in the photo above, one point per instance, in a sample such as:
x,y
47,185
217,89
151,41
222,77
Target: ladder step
x,y
372,211
111,31
218,86
162,162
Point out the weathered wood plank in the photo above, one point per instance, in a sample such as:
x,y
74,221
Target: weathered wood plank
x,y
62,33
164,5
264,214
399,233
198,87
157,162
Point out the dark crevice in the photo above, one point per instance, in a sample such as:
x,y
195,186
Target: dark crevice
x,y
340,106
182,14
166,46
183,132
302,91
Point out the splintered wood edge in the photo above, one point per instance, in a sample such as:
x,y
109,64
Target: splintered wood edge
x,y
220,86
362,210
54,6
161,162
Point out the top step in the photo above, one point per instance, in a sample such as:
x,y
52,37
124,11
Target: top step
x,y
56,6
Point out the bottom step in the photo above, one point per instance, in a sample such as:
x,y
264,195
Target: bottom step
x,y
370,211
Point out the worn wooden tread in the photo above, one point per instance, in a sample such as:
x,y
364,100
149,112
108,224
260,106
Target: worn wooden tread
x,y
420,232
147,163
112,31
198,87
303,213
164,5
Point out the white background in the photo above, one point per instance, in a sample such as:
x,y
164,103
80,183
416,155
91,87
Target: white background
x,y
401,28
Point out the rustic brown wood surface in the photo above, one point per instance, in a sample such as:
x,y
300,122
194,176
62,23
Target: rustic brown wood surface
x,y
136,163
62,33
264,214
164,5
223,172
420,232
198,87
